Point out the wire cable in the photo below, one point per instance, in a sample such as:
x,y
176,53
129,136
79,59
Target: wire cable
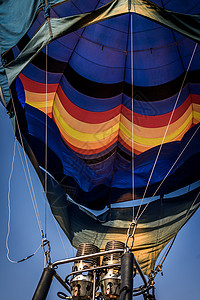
x,y
169,171
132,127
30,192
170,119
9,205
33,198
46,141
61,237
165,254
9,213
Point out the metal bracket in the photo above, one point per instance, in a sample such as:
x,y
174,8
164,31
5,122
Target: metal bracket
x,y
46,244
131,233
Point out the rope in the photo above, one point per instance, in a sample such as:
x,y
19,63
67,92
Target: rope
x,y
46,141
9,206
31,195
9,213
160,148
167,251
60,237
132,111
170,169
132,226
32,192
162,260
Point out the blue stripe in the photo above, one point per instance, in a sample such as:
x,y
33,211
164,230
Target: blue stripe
x,y
156,108
88,103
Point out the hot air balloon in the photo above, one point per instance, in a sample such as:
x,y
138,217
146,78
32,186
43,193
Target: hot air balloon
x,y
105,95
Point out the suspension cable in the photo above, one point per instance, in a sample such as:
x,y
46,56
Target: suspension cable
x,y
169,171
167,128
31,195
9,213
132,226
163,258
159,266
9,207
28,177
132,127
60,237
46,141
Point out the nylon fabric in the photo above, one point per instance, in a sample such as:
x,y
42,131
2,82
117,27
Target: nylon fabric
x,y
91,137
16,18
82,226
66,25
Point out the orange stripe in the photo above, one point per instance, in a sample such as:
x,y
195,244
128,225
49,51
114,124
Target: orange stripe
x,y
142,148
196,107
146,132
83,126
93,151
126,142
92,146
85,115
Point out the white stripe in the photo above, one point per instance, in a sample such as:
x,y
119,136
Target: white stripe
x,y
183,190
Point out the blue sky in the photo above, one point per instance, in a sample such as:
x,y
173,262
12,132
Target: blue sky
x,y
18,281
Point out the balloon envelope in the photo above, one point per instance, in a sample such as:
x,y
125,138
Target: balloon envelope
x,y
121,93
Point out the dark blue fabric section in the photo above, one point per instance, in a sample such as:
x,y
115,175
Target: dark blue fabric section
x,y
98,63
71,164
101,53
39,75
148,108
20,91
36,126
62,48
86,180
88,103
70,8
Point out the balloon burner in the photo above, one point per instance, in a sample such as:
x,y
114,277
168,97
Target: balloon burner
x,y
111,276
82,283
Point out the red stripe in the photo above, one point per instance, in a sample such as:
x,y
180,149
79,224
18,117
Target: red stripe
x,y
85,115
100,117
195,99
37,87
156,121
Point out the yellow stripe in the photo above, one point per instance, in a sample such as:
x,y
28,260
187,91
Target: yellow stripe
x,y
155,141
81,136
41,104
158,132
83,126
82,144
196,115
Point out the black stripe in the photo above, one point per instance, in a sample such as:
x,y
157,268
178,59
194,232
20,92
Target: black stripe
x,y
103,157
99,159
145,94
102,90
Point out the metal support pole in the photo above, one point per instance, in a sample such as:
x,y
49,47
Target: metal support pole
x,y
94,286
73,259
127,261
44,284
